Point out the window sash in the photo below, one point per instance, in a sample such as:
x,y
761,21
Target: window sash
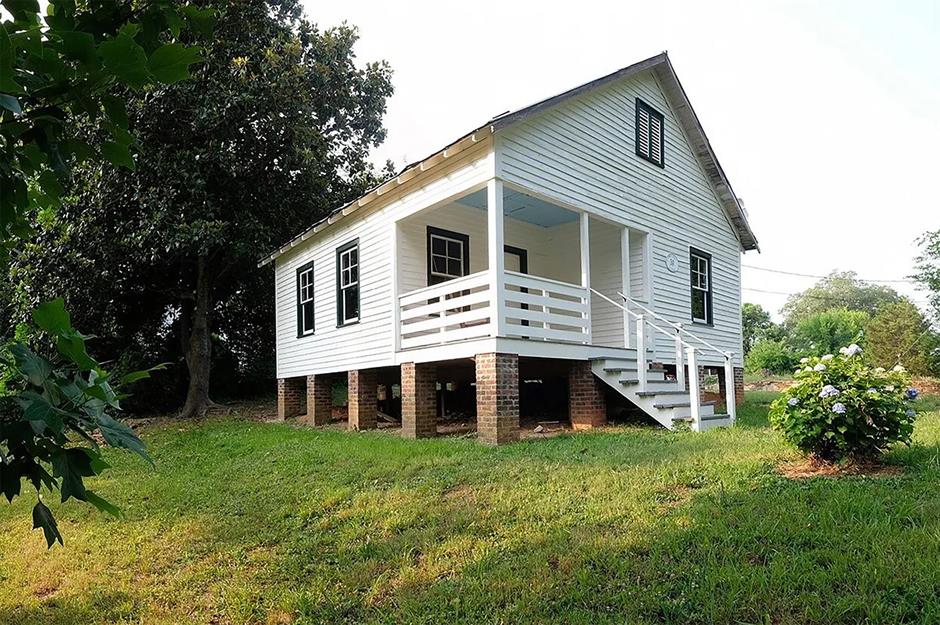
x,y
306,324
452,257
701,288
347,309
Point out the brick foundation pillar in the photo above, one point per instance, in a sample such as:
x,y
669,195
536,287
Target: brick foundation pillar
x,y
701,381
586,406
738,386
363,399
497,398
319,400
418,400
290,395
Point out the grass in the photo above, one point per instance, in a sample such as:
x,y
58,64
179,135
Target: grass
x,y
261,523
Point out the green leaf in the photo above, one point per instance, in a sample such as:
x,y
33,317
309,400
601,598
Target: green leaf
x,y
170,63
71,465
80,47
52,317
42,518
79,149
38,410
102,504
10,103
126,60
7,83
134,376
201,21
119,434
116,110
22,9
51,186
118,155
72,345
36,368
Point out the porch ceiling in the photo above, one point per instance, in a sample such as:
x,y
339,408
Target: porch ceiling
x,y
524,208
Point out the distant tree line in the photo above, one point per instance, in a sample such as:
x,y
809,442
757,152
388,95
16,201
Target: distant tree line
x,y
842,309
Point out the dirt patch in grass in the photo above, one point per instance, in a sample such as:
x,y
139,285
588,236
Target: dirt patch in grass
x,y
807,468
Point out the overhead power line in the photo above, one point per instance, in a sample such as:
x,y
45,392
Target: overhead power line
x,y
830,298
810,275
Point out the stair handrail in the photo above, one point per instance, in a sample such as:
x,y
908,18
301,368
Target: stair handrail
x,y
677,326
690,355
638,316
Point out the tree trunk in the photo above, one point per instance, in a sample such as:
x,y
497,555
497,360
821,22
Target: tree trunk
x,y
199,345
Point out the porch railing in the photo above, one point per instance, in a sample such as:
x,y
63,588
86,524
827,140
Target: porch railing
x,y
533,308
686,352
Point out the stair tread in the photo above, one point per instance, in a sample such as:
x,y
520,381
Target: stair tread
x,y
683,404
705,417
664,392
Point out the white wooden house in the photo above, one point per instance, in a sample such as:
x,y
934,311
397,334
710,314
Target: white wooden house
x,y
594,231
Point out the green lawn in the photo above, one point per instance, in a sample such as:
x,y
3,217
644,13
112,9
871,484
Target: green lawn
x,y
257,523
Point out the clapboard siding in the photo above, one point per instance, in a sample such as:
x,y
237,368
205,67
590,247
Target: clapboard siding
x,y
368,343
606,277
582,153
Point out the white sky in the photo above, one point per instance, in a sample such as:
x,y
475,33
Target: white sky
x,y
825,115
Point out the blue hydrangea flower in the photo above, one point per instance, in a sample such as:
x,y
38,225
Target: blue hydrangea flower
x,y
829,391
838,408
872,391
912,393
852,350
909,412
793,402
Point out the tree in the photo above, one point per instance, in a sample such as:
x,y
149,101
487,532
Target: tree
x,y
63,71
837,290
757,326
770,355
59,75
899,334
271,133
828,331
927,266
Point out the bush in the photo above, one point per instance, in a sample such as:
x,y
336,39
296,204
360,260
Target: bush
x,y
824,332
772,356
842,407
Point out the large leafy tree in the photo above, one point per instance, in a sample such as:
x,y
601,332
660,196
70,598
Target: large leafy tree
x,y
60,73
840,289
271,133
899,334
927,269
828,331
758,326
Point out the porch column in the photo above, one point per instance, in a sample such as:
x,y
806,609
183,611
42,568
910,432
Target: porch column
x,y
625,282
586,405
396,307
494,249
289,397
418,400
586,268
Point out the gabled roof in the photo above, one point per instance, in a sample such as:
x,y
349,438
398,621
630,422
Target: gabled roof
x,y
668,80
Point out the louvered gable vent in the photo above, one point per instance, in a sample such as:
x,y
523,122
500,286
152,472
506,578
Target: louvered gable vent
x,y
649,134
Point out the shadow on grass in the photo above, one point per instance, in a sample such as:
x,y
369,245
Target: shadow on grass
x,y
99,606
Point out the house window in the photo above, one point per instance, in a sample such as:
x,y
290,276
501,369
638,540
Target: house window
x,y
448,255
347,283
305,300
700,265
650,136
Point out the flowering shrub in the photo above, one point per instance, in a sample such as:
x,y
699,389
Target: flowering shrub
x,y
843,407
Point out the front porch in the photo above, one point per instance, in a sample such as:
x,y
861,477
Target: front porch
x,y
500,263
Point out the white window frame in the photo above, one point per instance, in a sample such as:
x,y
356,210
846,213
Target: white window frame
x,y
698,277
305,295
345,281
447,258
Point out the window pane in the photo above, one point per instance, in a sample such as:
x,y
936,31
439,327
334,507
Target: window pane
x,y
354,274
351,303
307,310
698,305
354,256
454,268
454,249
438,245
439,264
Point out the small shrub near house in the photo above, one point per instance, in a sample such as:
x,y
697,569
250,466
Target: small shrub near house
x,y
842,407
769,356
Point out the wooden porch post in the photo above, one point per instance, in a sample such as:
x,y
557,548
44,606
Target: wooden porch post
x,y
586,268
396,305
494,248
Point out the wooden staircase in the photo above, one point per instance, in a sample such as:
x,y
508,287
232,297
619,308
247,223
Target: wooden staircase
x,y
658,397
